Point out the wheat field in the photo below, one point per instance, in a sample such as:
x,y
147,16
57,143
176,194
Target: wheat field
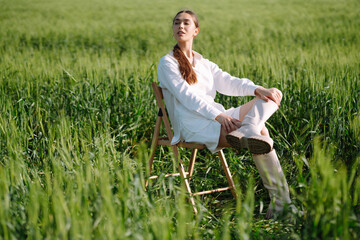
x,y
77,116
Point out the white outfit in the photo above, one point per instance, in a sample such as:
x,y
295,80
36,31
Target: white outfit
x,y
192,109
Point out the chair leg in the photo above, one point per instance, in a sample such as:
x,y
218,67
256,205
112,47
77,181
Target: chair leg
x,y
227,172
153,146
192,162
184,177
150,165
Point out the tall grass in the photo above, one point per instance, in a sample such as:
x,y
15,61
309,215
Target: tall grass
x,y
77,115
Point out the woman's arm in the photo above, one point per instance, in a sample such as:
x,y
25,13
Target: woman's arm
x,y
170,77
229,85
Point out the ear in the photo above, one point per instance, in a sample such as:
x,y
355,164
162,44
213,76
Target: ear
x,y
196,32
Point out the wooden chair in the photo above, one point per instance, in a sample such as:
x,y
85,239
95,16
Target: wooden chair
x,y
166,141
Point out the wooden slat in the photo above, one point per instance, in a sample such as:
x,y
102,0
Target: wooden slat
x,y
191,145
159,99
212,191
168,175
192,161
164,142
227,172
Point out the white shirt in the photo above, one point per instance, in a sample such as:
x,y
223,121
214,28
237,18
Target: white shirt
x,y
192,106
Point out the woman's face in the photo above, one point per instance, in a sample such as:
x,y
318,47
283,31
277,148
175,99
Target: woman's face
x,y
184,28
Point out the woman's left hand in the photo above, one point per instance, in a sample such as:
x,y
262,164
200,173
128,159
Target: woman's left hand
x,y
267,94
228,123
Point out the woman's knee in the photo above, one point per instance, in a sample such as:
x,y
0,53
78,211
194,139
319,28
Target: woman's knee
x,y
265,132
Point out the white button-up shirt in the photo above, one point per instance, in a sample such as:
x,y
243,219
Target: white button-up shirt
x,y
192,106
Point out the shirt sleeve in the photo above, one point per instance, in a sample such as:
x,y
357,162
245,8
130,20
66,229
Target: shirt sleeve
x,y
229,85
170,77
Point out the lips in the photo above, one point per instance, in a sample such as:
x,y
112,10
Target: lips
x,y
180,33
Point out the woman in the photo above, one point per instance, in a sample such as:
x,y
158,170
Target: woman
x,y
190,83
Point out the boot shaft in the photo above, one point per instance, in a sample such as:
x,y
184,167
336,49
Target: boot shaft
x,y
273,178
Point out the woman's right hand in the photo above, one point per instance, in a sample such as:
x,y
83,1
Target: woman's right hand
x,y
229,123
267,94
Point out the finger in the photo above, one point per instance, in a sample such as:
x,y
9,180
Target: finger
x,y
272,97
227,127
278,97
278,94
236,122
233,127
266,98
275,99
263,97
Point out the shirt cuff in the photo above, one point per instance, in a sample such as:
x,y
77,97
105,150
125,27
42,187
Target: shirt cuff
x,y
252,89
215,113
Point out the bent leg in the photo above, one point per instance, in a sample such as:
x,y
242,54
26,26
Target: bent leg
x,y
249,134
244,109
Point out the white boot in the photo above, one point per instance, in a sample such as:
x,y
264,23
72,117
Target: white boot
x,y
274,181
248,135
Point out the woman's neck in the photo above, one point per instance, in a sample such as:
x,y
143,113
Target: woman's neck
x,y
186,48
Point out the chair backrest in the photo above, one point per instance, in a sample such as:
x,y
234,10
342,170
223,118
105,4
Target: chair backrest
x,y
162,111
162,116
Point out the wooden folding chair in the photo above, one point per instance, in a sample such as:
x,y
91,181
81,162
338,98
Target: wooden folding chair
x,y
166,141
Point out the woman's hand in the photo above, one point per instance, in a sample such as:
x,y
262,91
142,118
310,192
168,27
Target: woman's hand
x,y
267,94
229,123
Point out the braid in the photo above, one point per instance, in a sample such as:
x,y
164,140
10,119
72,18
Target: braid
x,y
187,72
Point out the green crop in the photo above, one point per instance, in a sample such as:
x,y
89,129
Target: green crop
x,y
77,115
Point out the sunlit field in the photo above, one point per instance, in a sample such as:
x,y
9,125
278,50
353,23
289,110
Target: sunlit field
x,y
77,115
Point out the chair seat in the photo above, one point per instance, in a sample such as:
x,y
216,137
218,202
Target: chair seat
x,y
191,145
164,141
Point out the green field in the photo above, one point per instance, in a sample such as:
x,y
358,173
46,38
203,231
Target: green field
x,y
77,115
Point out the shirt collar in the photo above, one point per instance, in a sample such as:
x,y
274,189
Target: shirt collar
x,y
197,55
